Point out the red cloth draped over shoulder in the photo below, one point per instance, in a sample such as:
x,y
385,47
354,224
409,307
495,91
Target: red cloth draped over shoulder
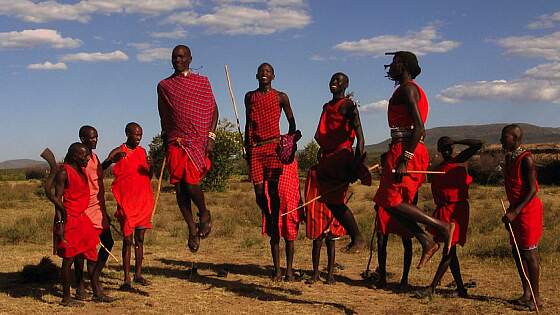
x,y
80,237
390,194
320,220
451,194
263,116
186,107
334,131
528,225
132,189
288,191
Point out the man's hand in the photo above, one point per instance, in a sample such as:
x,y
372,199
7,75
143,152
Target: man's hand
x,y
117,155
509,217
400,171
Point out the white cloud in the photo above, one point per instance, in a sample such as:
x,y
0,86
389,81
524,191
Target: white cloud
x,y
317,57
547,71
116,55
519,90
47,65
178,33
533,46
545,21
45,11
377,106
156,53
423,42
37,37
236,20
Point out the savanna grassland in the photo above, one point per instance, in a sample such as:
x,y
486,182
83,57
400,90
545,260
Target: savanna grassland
x,y
237,246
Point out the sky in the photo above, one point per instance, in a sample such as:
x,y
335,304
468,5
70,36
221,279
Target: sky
x,y
69,63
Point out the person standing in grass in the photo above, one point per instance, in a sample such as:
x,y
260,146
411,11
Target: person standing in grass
x,y
451,194
407,113
288,222
338,164
96,210
525,211
77,237
133,193
189,115
263,108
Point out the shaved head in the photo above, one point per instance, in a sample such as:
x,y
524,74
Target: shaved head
x,y
84,130
515,130
130,126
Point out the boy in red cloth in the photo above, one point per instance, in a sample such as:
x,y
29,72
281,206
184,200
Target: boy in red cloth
x,y
386,224
135,200
525,212
451,193
338,164
288,223
407,113
74,230
263,108
189,115
320,225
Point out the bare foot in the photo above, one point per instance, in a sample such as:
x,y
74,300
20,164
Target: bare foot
x,y
355,246
427,253
313,279
142,281
423,293
330,280
289,276
380,283
276,276
403,287
71,303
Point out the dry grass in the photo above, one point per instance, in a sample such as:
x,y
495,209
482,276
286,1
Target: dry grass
x,y
236,244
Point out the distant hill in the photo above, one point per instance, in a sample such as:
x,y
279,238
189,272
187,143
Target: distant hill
x,y
490,134
21,163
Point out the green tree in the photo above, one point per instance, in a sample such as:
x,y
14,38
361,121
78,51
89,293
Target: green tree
x,y
308,156
227,153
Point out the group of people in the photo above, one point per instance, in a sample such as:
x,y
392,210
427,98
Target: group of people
x,y
189,116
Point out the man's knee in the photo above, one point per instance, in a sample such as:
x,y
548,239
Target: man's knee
x,y
127,241
138,238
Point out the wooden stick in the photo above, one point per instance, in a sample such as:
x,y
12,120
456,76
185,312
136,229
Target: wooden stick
x,y
519,257
326,193
108,251
420,172
158,189
230,89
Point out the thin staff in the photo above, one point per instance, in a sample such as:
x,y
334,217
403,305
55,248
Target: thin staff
x,y
158,188
108,251
420,172
326,193
230,89
520,261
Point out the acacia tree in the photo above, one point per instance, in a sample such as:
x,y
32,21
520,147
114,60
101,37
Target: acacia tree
x,y
227,151
308,156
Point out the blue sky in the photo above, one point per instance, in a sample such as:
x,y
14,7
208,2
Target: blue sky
x,y
69,63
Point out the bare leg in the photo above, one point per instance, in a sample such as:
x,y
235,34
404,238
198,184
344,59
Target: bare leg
x,y
407,261
139,256
262,202
275,250
530,262
66,279
197,196
184,202
381,260
344,215
331,252
106,238
316,258
79,277
456,272
126,252
289,261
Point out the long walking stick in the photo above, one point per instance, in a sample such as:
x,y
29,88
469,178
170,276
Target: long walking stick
x,y
158,189
230,89
367,273
520,261
108,251
421,172
371,168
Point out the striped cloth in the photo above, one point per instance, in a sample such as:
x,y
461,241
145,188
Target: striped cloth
x,y
186,105
288,191
263,116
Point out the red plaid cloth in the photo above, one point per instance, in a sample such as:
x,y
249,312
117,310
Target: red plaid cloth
x,y
264,164
263,116
186,106
288,189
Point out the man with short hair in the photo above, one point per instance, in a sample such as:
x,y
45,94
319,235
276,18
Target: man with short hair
x,y
189,115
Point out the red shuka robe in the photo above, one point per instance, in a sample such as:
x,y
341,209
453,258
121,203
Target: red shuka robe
x,y
132,189
320,220
288,191
528,225
391,194
80,237
451,194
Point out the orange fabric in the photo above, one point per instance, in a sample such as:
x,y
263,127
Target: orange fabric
x,y
182,168
334,131
320,220
391,194
387,224
399,116
96,204
132,189
528,225
80,237
288,191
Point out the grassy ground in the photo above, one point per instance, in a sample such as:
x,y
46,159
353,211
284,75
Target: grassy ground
x,y
236,245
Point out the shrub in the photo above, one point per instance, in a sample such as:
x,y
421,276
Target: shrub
x,y
35,173
308,156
